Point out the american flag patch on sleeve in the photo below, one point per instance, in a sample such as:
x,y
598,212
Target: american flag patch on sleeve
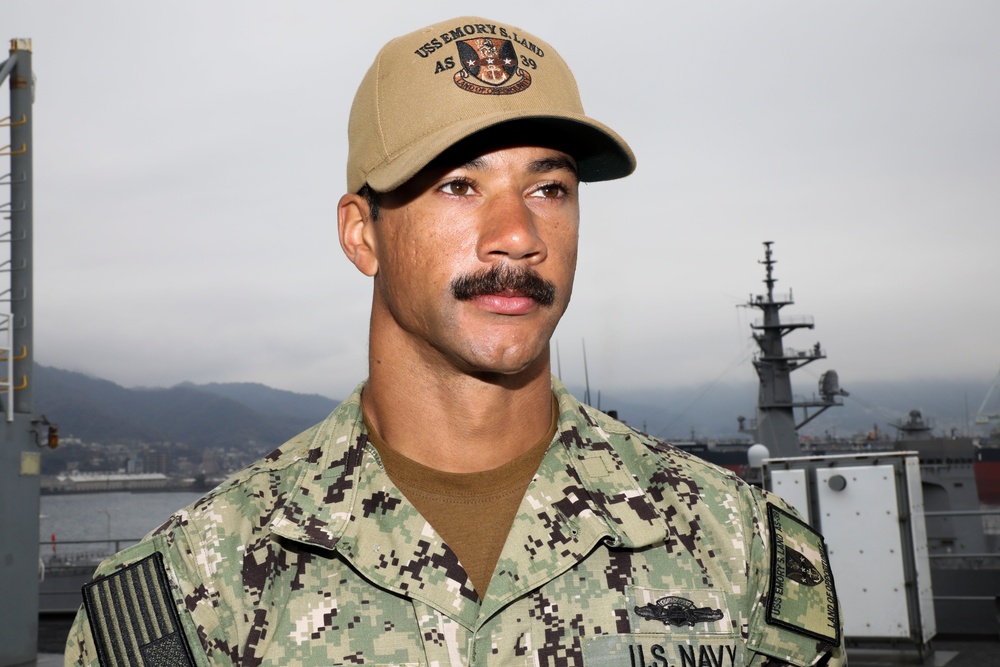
x,y
133,618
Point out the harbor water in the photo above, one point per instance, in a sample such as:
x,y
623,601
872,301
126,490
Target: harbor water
x,y
78,531
105,516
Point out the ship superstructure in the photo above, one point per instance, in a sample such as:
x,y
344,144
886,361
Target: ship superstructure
x,y
776,425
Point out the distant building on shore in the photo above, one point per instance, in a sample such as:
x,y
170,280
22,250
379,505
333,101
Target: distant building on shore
x,y
82,482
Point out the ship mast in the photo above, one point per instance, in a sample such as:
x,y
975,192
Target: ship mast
x,y
776,425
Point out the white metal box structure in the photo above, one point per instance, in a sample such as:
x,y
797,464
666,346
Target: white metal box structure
x,y
869,508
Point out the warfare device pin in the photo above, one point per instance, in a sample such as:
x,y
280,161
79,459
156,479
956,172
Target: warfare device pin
x,y
673,610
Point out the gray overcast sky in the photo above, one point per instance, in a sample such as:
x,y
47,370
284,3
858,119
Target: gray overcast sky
x,y
189,157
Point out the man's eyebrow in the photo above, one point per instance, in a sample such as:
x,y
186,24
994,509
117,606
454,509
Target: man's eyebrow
x,y
553,163
475,164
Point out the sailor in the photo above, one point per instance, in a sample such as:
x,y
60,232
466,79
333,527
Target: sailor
x,y
461,507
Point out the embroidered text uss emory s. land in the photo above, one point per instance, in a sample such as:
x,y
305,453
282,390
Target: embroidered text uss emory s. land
x,y
801,596
486,59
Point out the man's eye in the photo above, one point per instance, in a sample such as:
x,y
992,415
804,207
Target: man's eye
x,y
457,188
551,191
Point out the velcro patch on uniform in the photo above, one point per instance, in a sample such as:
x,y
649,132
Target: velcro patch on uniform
x,y
651,650
801,596
133,618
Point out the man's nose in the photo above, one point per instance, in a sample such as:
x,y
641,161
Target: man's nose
x,y
509,231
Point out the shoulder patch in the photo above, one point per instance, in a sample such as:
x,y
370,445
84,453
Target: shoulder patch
x,y
801,596
133,618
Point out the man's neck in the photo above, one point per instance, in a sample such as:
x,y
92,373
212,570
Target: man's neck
x,y
458,422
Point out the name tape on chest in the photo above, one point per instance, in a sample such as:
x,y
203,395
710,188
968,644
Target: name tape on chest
x,y
133,618
801,595
651,651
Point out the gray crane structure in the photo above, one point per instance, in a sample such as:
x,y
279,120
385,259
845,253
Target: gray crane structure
x,y
23,434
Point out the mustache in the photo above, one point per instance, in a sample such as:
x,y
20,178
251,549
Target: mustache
x,y
501,278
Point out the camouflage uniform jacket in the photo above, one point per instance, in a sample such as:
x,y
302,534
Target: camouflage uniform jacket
x,y
624,551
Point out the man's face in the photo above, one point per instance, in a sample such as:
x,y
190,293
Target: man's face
x,y
475,262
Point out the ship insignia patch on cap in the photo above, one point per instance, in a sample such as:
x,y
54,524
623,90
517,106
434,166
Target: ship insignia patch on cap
x,y
674,610
490,61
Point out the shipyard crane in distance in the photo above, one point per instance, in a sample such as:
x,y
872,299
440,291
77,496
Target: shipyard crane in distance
x,y
982,416
22,433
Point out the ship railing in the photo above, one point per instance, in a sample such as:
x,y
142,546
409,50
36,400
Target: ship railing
x,y
62,573
70,553
794,320
990,518
776,297
970,560
65,566
811,353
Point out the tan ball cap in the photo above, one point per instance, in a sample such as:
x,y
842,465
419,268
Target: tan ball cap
x,y
434,87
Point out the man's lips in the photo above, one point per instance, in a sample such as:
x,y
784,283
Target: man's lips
x,y
507,303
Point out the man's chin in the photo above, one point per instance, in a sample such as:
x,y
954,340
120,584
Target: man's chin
x,y
507,369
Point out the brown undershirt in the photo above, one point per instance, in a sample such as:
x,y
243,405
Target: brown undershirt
x,y
472,512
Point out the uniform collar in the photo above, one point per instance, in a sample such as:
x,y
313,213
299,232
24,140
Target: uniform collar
x,y
590,487
614,467
321,503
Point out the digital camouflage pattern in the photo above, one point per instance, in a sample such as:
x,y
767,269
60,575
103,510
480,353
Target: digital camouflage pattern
x,y
624,551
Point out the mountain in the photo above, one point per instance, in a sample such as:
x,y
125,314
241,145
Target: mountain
x,y
213,415
233,414
268,401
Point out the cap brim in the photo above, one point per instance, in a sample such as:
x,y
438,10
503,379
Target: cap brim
x,y
600,153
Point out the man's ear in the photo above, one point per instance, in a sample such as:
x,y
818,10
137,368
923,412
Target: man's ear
x,y
357,235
